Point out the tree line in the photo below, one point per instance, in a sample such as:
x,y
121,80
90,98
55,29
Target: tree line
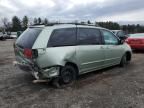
x,y
134,28
17,24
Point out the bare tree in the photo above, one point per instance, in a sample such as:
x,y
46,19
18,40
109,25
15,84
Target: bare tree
x,y
25,22
6,24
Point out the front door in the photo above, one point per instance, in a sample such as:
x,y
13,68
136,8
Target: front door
x,y
113,50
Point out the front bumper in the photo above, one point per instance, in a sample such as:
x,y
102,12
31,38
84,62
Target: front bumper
x,y
48,73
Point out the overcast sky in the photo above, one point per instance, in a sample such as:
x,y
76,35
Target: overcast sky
x,y
96,10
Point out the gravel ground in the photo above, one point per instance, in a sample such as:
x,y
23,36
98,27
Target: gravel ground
x,y
113,87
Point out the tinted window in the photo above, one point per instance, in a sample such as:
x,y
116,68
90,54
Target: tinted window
x,y
63,37
88,36
28,37
109,38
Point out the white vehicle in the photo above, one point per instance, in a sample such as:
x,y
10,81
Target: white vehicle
x,y
2,36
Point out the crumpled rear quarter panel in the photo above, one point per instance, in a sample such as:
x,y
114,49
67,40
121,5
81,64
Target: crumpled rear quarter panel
x,y
57,56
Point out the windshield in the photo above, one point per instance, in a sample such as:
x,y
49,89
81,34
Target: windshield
x,y
28,37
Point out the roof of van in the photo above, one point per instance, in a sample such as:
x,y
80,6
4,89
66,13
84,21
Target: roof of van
x,y
64,25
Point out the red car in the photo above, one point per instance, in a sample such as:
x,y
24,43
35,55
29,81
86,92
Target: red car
x,y
136,41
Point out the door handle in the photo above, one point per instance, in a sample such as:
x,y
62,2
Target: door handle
x,y
102,47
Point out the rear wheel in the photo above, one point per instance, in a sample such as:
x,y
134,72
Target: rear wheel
x,y
67,74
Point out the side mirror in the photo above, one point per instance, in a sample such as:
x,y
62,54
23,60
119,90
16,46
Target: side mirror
x,y
121,41
122,37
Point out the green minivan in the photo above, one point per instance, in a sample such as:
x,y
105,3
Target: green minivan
x,y
61,52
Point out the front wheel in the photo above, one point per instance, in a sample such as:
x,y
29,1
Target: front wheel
x,y
123,61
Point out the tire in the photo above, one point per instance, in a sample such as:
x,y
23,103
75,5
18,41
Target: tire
x,y
123,61
55,82
67,74
1,38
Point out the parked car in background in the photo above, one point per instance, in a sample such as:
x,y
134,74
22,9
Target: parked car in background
x,y
2,36
120,33
64,51
13,35
136,41
8,35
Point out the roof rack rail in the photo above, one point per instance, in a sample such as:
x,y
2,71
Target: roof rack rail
x,y
36,26
51,24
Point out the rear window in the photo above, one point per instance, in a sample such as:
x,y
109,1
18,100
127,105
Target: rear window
x,y
63,37
89,36
28,37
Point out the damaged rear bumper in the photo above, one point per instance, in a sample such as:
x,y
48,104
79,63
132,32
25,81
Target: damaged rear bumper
x,y
47,73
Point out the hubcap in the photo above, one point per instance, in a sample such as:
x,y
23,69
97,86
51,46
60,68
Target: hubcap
x,y
67,76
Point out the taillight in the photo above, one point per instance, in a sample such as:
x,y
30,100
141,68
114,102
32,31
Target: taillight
x,y
28,53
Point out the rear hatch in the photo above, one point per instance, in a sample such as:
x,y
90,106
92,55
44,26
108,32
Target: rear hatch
x,y
23,45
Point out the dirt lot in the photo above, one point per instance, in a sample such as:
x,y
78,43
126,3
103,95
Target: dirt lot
x,y
109,88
